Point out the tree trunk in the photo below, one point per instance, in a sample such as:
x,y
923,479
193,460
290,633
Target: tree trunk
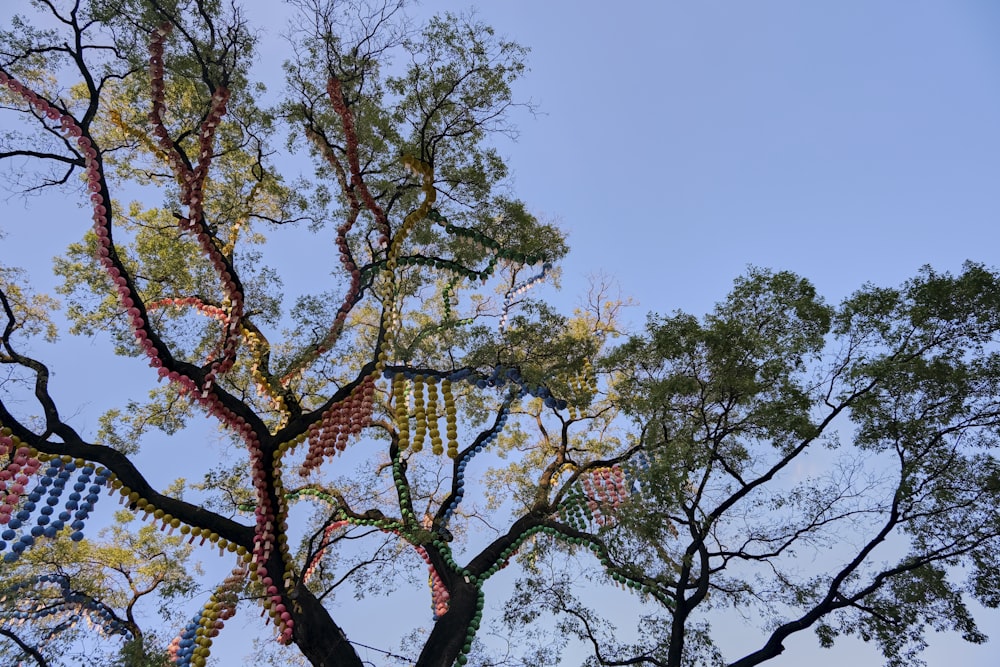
x,y
316,634
450,636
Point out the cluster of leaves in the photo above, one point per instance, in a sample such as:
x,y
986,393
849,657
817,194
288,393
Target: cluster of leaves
x,y
96,587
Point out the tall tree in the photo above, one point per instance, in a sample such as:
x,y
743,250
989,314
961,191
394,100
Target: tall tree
x,y
406,365
818,468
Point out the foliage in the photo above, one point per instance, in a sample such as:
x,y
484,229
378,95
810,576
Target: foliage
x,y
63,589
414,417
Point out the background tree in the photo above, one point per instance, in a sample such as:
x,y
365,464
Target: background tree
x,y
403,356
61,592
881,533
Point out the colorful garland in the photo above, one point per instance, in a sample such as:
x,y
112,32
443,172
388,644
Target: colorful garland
x,y
71,606
18,508
193,646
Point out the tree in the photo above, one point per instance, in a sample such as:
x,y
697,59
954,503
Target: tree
x,y
728,407
64,588
530,453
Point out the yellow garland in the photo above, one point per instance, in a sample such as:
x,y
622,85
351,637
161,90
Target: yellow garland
x,y
583,385
266,386
402,411
437,446
389,315
139,135
451,423
202,636
419,414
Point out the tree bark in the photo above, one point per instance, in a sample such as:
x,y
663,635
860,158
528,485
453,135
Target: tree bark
x,y
318,636
448,638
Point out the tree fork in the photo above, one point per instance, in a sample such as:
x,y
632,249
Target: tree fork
x,y
317,635
454,631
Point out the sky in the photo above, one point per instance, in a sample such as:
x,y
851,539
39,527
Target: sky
x,y
679,142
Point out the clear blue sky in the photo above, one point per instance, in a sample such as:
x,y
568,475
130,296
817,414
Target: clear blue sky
x,y
849,141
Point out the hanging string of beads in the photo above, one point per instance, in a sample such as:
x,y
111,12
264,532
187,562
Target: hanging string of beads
x,y
18,507
183,649
451,418
193,646
431,414
68,607
419,414
338,423
401,403
425,413
519,289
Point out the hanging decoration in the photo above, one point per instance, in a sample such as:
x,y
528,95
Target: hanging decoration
x,y
26,516
193,646
594,498
67,606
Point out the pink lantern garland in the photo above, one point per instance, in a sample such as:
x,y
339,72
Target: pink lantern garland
x,y
604,490
327,535
335,90
22,464
342,420
440,596
192,184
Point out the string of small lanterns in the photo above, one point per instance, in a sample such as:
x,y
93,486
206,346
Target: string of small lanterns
x,y
18,506
193,646
70,607
192,182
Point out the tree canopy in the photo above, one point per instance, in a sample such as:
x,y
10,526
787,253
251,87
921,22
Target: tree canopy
x,y
417,415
